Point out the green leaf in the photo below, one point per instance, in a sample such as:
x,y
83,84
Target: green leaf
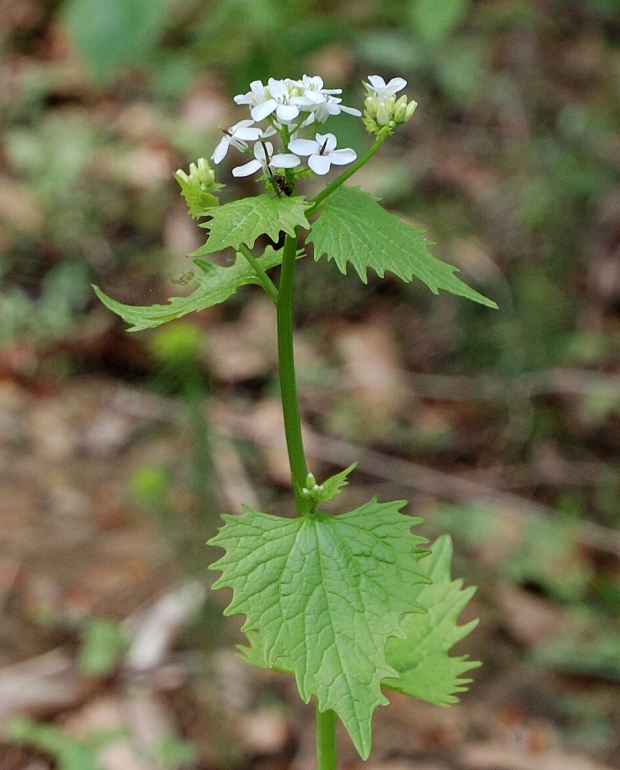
x,y
354,228
325,594
333,485
215,286
115,32
425,669
244,220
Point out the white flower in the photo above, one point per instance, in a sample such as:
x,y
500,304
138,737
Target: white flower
x,y
264,159
322,152
331,106
281,93
237,135
382,91
257,94
313,92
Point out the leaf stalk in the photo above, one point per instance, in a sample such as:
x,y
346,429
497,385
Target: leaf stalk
x,y
339,180
265,281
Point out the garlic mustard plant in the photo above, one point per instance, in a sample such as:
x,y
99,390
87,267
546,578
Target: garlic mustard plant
x,y
352,605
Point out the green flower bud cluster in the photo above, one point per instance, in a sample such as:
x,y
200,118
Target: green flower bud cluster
x,y
391,112
198,187
201,176
312,490
383,111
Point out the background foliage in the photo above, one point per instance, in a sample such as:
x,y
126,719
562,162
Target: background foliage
x,y
512,164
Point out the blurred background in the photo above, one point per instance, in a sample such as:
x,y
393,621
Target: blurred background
x,y
118,452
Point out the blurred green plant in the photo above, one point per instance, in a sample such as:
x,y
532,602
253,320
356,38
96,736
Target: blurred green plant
x,y
69,753
115,33
51,317
103,643
538,552
187,520
588,645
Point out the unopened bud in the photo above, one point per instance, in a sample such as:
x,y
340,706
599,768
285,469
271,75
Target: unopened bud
x,y
370,105
399,109
383,114
411,108
203,174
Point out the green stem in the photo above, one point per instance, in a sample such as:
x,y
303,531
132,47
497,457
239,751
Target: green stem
x,y
262,276
325,740
332,186
288,386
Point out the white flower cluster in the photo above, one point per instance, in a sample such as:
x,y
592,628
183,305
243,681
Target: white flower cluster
x,y
289,106
382,108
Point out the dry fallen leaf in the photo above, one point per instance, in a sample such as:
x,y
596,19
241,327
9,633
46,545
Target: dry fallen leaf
x,y
529,619
498,756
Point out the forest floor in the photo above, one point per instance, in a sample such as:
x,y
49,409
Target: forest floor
x,y
79,552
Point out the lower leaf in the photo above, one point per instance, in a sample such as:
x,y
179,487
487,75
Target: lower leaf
x,y
322,595
216,285
425,669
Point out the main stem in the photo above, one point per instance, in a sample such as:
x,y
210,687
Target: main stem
x,y
325,740
288,384
326,721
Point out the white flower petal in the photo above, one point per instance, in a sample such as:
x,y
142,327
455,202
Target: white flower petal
x,y
342,157
287,160
220,151
277,88
263,110
262,152
319,164
351,111
247,134
396,84
287,112
328,141
309,120
315,97
247,168
304,146
377,82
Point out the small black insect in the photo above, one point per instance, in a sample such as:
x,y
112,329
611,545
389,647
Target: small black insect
x,y
281,185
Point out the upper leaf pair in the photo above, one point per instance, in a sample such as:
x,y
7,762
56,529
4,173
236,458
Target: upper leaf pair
x,y
351,228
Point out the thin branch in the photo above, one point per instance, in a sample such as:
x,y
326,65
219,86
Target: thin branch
x,y
262,276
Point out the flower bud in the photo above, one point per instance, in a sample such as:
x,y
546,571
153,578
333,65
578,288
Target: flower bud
x,y
385,110
399,109
411,107
202,175
383,114
370,106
